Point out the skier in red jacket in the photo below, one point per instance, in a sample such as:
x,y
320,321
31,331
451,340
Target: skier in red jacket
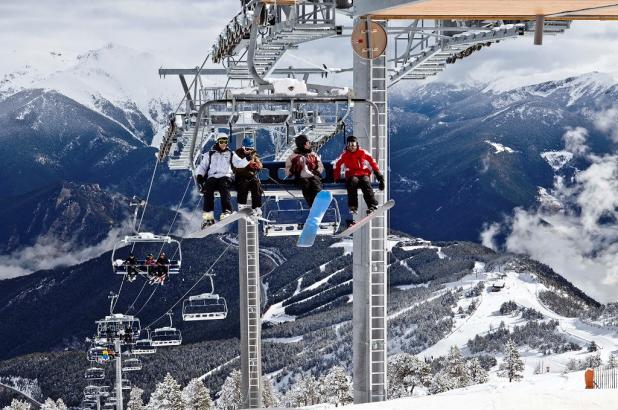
x,y
358,165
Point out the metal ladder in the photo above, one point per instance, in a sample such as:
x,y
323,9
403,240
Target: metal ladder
x,y
378,235
251,325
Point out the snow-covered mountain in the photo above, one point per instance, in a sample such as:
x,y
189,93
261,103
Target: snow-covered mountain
x,y
115,81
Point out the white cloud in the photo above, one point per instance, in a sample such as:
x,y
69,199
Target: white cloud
x,y
50,253
578,239
575,140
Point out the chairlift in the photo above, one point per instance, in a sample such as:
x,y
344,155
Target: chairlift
x,y
120,267
100,354
91,391
95,373
166,336
206,306
116,325
144,346
132,364
88,404
126,384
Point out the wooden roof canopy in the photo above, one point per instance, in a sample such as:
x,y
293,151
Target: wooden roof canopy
x,y
488,9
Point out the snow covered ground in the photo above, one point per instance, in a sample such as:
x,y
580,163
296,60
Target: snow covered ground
x,y
543,392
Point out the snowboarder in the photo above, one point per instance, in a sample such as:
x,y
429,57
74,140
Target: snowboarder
x,y
247,179
358,165
215,174
132,269
306,167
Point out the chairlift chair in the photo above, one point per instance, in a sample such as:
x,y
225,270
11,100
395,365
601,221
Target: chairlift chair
x,y
132,364
117,325
166,336
99,354
145,238
206,306
126,384
88,404
144,346
94,373
91,391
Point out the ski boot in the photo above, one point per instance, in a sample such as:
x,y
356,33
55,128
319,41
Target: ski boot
x,y
224,215
350,222
208,219
371,209
257,212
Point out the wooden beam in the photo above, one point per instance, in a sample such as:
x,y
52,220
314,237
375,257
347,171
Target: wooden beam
x,y
502,10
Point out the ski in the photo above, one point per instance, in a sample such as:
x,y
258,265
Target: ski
x,y
202,233
316,213
363,221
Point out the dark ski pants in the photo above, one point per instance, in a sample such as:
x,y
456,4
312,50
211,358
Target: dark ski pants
x,y
223,186
310,187
364,183
244,185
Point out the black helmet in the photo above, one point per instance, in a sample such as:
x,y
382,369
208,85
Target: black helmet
x,y
301,140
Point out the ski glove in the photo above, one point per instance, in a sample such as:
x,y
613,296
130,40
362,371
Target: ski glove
x,y
380,179
200,182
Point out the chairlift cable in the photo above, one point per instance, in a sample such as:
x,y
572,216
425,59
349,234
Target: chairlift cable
x,y
132,305
207,273
118,293
147,300
177,211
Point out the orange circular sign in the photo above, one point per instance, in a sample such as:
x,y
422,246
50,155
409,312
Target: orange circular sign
x,y
369,44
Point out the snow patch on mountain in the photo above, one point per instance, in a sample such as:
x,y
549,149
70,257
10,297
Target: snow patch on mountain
x,y
500,148
557,159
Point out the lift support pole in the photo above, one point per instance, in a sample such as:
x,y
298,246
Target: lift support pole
x,y
369,244
250,317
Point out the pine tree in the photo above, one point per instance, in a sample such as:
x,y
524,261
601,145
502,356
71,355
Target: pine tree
x,y
135,399
405,372
477,374
337,386
592,347
49,404
512,366
269,398
311,390
230,397
456,367
611,361
60,405
196,396
18,405
167,395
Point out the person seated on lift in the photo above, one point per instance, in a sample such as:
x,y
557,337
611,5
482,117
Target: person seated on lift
x,y
215,174
306,167
247,179
132,270
163,264
358,165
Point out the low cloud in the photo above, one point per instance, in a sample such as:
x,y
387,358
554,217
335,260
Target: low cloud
x,y
579,239
50,253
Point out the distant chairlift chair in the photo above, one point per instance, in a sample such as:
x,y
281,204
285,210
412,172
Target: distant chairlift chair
x,y
166,336
206,306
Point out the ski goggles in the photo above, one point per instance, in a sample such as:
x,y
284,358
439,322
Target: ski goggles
x,y
222,141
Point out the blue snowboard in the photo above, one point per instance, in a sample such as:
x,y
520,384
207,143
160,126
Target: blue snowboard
x,y
318,209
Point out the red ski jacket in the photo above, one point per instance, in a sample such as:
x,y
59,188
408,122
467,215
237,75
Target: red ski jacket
x,y
357,163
